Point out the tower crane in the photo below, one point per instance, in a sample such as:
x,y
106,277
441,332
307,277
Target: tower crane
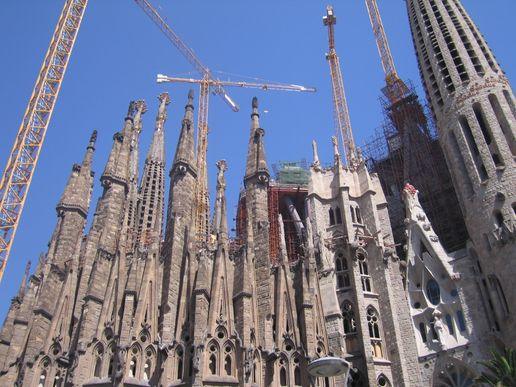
x,y
202,199
395,88
24,156
340,105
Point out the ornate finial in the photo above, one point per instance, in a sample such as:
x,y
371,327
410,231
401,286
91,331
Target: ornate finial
x,y
316,164
335,146
131,109
222,165
164,99
93,139
255,103
141,108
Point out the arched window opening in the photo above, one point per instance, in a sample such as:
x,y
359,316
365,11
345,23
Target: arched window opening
x,y
359,217
364,274
297,376
99,355
179,357
353,217
213,364
374,332
461,321
332,217
342,272
422,331
449,323
42,378
111,365
58,380
228,359
433,292
453,375
350,327
147,370
383,381
283,376
348,318
132,367
498,218
338,215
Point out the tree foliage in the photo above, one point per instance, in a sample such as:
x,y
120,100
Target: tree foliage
x,y
500,369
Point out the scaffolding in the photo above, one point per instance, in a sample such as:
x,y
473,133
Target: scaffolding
x,y
405,150
280,197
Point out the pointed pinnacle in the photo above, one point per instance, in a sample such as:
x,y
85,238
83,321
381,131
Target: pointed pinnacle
x,y
93,140
255,103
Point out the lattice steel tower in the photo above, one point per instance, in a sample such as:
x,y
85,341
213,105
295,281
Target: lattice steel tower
x,y
473,105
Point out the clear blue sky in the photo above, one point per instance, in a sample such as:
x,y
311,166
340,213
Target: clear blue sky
x,y
119,51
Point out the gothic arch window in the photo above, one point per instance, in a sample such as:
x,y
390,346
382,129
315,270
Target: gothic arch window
x,y
43,376
342,271
353,217
283,376
229,359
213,358
338,215
256,377
498,218
111,361
373,322
364,273
134,363
98,354
149,360
179,355
332,216
297,375
383,381
58,379
350,327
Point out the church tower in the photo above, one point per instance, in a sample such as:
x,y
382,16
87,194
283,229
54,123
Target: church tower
x,y
473,105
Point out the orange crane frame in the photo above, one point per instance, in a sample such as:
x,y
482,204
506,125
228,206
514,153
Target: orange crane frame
x,y
24,156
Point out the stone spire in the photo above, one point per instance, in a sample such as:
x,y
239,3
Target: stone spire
x,y
141,108
117,166
77,192
185,147
256,167
177,286
152,188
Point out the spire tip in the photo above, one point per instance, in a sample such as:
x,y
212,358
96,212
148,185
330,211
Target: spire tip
x,y
255,103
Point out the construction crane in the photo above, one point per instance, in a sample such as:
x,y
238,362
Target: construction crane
x,y
395,88
22,162
185,50
208,81
340,105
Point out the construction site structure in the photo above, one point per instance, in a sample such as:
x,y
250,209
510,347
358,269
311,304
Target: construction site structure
x,y
405,150
23,159
340,105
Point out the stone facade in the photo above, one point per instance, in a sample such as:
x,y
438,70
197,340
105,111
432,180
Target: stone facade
x,y
473,105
